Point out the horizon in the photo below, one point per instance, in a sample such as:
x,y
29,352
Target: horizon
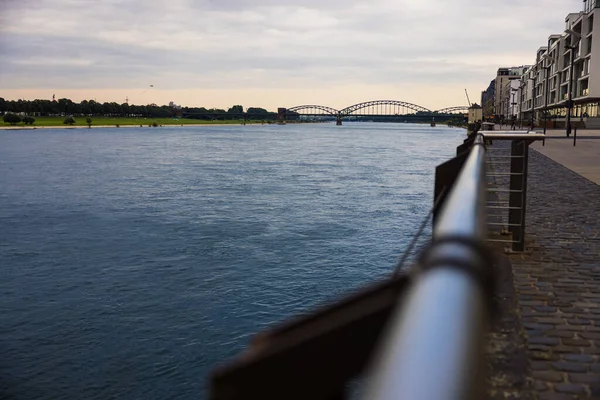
x,y
268,54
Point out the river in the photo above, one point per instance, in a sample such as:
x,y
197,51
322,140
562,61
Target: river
x,y
134,260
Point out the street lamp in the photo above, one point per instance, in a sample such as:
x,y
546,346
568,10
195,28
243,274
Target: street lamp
x,y
521,86
534,79
513,91
547,59
570,87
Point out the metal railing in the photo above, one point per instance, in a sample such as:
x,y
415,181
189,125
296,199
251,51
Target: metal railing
x,y
433,348
508,163
420,335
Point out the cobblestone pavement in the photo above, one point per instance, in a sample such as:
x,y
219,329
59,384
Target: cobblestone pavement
x,y
557,283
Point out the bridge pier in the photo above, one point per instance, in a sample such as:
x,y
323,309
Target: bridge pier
x,y
281,116
339,120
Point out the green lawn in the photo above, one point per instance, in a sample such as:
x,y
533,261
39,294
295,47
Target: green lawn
x,y
96,121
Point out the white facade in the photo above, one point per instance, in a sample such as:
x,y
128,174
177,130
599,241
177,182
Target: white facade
x,y
552,69
503,77
512,98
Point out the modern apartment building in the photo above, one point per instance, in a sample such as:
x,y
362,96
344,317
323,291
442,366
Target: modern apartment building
x,y
547,84
503,77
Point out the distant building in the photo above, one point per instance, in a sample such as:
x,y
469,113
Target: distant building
x,y
487,99
475,113
504,76
553,65
173,105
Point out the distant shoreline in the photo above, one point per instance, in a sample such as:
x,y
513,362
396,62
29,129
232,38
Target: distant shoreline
x,y
254,123
33,127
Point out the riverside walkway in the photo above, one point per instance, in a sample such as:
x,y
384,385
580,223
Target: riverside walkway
x,y
557,281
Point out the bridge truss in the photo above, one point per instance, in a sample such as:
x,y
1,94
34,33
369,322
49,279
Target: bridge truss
x,y
383,107
372,108
313,109
452,110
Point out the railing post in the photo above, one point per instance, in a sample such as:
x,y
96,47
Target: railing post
x,y
518,193
575,137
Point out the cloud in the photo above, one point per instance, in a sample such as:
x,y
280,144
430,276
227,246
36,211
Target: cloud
x,y
269,45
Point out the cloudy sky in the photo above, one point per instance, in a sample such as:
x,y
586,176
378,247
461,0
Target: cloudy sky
x,y
268,53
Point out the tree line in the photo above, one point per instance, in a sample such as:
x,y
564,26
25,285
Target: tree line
x,y
67,107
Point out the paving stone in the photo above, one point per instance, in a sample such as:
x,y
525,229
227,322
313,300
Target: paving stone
x,y
538,347
539,366
548,376
555,396
545,309
571,310
552,321
532,303
579,321
582,358
569,328
590,335
561,334
567,349
567,366
540,327
576,342
575,388
584,378
543,356
540,385
550,341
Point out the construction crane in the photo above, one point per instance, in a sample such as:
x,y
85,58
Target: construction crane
x,y
468,101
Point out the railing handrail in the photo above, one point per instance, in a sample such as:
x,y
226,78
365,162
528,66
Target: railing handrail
x,y
433,347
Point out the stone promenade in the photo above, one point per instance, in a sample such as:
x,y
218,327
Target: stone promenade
x,y
557,282
584,158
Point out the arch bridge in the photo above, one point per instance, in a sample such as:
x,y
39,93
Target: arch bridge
x,y
376,109
452,110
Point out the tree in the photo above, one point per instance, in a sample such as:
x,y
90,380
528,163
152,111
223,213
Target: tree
x,y
69,121
28,120
11,118
237,109
65,106
125,109
88,121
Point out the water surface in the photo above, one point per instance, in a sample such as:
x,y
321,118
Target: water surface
x,y
134,260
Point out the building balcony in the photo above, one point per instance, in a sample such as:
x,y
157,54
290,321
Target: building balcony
x,y
582,94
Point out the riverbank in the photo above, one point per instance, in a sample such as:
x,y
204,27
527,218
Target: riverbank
x,y
121,122
27,127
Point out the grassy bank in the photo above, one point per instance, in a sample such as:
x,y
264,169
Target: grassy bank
x,y
123,121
